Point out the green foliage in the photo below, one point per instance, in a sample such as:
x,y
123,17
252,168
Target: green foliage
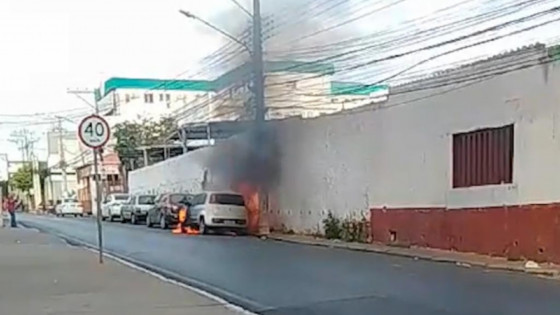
x,y
131,135
350,229
332,226
22,180
355,229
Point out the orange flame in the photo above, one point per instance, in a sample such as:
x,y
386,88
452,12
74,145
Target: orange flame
x,y
179,228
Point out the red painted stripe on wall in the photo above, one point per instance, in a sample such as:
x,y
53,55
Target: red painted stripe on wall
x,y
515,232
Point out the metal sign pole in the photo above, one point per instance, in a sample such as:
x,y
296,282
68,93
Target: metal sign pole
x,y
98,205
94,132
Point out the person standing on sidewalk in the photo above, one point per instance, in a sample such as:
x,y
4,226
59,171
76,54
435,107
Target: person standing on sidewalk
x,y
10,205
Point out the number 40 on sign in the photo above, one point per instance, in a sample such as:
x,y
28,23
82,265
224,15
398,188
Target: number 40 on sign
x,y
94,131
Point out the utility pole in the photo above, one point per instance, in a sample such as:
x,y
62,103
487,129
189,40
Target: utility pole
x,y
260,105
257,56
62,155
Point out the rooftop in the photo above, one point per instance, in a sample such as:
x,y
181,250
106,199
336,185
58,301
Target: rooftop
x,y
351,88
219,83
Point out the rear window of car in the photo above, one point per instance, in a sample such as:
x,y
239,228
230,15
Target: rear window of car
x,y
121,197
227,199
70,200
146,200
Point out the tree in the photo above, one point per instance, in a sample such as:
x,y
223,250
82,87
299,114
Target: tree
x,y
22,179
131,135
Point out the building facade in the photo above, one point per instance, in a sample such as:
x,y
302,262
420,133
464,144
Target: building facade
x,y
54,182
464,160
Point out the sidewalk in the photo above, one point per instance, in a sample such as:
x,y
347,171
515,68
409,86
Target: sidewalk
x,y
431,254
40,274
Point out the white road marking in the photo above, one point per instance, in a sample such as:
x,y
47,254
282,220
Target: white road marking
x,y
213,297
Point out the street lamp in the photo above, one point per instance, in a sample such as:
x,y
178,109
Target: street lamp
x,y
217,29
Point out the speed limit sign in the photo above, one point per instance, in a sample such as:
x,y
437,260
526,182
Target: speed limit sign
x,y
94,131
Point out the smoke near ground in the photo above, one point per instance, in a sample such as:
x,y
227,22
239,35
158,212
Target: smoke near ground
x,y
251,158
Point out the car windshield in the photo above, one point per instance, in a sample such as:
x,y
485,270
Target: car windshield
x,y
227,199
146,200
121,197
180,198
70,200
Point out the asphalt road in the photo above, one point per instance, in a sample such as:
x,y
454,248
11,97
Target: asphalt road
x,y
270,277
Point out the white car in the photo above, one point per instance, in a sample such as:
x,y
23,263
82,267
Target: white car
x,y
223,210
69,206
136,208
111,208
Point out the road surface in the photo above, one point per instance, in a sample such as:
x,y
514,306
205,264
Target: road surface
x,y
270,277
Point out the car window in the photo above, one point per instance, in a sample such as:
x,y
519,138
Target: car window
x,y
70,200
180,198
146,200
132,200
199,199
158,198
121,197
227,199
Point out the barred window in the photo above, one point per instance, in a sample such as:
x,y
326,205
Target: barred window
x,y
483,157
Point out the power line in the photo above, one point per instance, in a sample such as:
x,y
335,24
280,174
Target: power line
x,y
447,42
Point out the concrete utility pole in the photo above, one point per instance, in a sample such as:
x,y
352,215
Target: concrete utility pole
x,y
260,105
62,156
258,68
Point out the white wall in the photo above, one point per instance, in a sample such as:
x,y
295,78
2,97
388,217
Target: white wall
x,y
399,155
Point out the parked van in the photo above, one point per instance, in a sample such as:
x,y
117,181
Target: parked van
x,y
213,210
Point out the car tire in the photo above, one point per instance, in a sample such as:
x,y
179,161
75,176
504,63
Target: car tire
x,y
162,222
103,218
111,218
148,221
75,215
133,219
202,229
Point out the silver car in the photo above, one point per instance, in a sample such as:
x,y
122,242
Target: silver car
x,y
136,208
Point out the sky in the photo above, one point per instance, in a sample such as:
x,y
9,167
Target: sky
x,y
50,46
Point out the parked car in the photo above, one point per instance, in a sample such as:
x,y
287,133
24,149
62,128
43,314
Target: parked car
x,y
136,208
166,210
111,208
223,210
69,206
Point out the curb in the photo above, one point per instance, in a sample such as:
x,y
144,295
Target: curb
x,y
231,298
551,274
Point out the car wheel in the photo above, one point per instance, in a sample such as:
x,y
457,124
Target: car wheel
x,y
103,218
202,229
148,221
111,218
81,215
75,215
162,223
133,219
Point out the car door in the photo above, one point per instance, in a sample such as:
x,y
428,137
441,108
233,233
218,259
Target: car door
x,y
162,206
153,211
